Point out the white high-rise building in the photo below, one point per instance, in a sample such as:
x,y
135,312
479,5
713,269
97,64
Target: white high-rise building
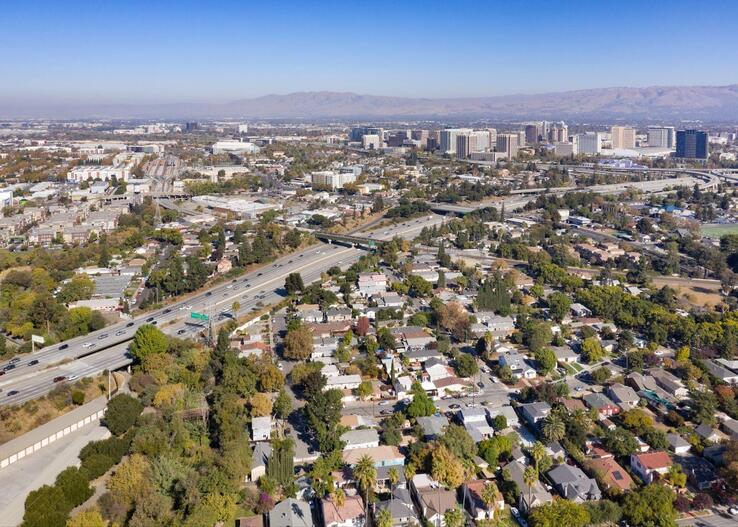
x,y
448,139
623,137
662,136
480,141
559,133
588,144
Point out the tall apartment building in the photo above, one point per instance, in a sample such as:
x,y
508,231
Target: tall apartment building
x,y
692,144
448,139
623,137
534,133
468,143
331,179
558,133
589,143
662,136
508,143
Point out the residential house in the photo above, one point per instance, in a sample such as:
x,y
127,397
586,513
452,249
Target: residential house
x,y
720,372
349,514
578,310
371,284
730,427
475,505
433,426
343,382
573,484
433,504
250,521
708,433
383,456
357,421
259,459
401,508
518,365
360,439
678,444
535,412
530,497
604,406
624,396
338,314
261,428
651,465
610,474
291,513
700,472
565,355
451,385
508,411
669,383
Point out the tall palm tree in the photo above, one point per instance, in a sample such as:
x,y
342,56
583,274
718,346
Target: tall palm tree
x,y
339,496
365,474
554,428
538,452
394,477
583,419
384,518
530,476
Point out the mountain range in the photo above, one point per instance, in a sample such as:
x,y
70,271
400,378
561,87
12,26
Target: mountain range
x,y
708,103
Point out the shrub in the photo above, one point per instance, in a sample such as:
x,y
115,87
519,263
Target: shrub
x,y
78,397
122,412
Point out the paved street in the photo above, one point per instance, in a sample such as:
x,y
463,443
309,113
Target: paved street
x,y
719,519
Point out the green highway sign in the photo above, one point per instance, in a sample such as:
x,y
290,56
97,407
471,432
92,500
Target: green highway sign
x,y
199,316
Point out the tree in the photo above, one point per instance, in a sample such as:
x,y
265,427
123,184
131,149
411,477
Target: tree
x,y
546,360
499,422
559,305
421,405
323,411
298,344
600,375
129,479
365,475
458,441
122,412
294,284
530,477
419,287
282,405
364,390
446,467
637,419
554,428
538,452
261,405
702,501
148,340
620,442
560,513
454,517
75,486
466,366
650,506
384,517
46,507
592,350
89,518
490,495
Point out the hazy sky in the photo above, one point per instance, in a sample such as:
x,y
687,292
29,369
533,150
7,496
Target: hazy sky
x,y
162,51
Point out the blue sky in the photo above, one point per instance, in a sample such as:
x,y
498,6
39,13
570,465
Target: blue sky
x,y
167,51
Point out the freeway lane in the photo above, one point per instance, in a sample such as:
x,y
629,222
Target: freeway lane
x,y
258,289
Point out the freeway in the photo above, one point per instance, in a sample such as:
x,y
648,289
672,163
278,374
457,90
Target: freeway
x,y
107,348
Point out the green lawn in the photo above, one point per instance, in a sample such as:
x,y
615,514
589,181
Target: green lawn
x,y
716,231
576,366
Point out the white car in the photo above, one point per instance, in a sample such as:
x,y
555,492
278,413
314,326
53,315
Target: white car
x,y
87,344
733,511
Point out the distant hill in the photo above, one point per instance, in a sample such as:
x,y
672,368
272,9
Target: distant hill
x,y
658,102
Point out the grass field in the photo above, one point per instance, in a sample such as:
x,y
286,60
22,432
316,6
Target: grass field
x,y
717,230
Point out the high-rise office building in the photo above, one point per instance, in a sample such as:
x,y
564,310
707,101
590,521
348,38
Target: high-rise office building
x,y
588,144
692,144
360,131
462,146
531,133
662,136
508,143
480,141
623,137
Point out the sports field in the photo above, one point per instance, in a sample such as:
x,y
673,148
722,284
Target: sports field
x,y
716,230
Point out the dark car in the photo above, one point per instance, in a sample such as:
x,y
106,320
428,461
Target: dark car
x,y
59,378
155,322
480,384
129,324
234,281
103,336
63,346
454,406
33,362
2,373
9,367
167,310
259,274
208,293
149,319
181,331
13,392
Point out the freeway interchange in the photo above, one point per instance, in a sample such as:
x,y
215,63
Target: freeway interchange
x,y
33,375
